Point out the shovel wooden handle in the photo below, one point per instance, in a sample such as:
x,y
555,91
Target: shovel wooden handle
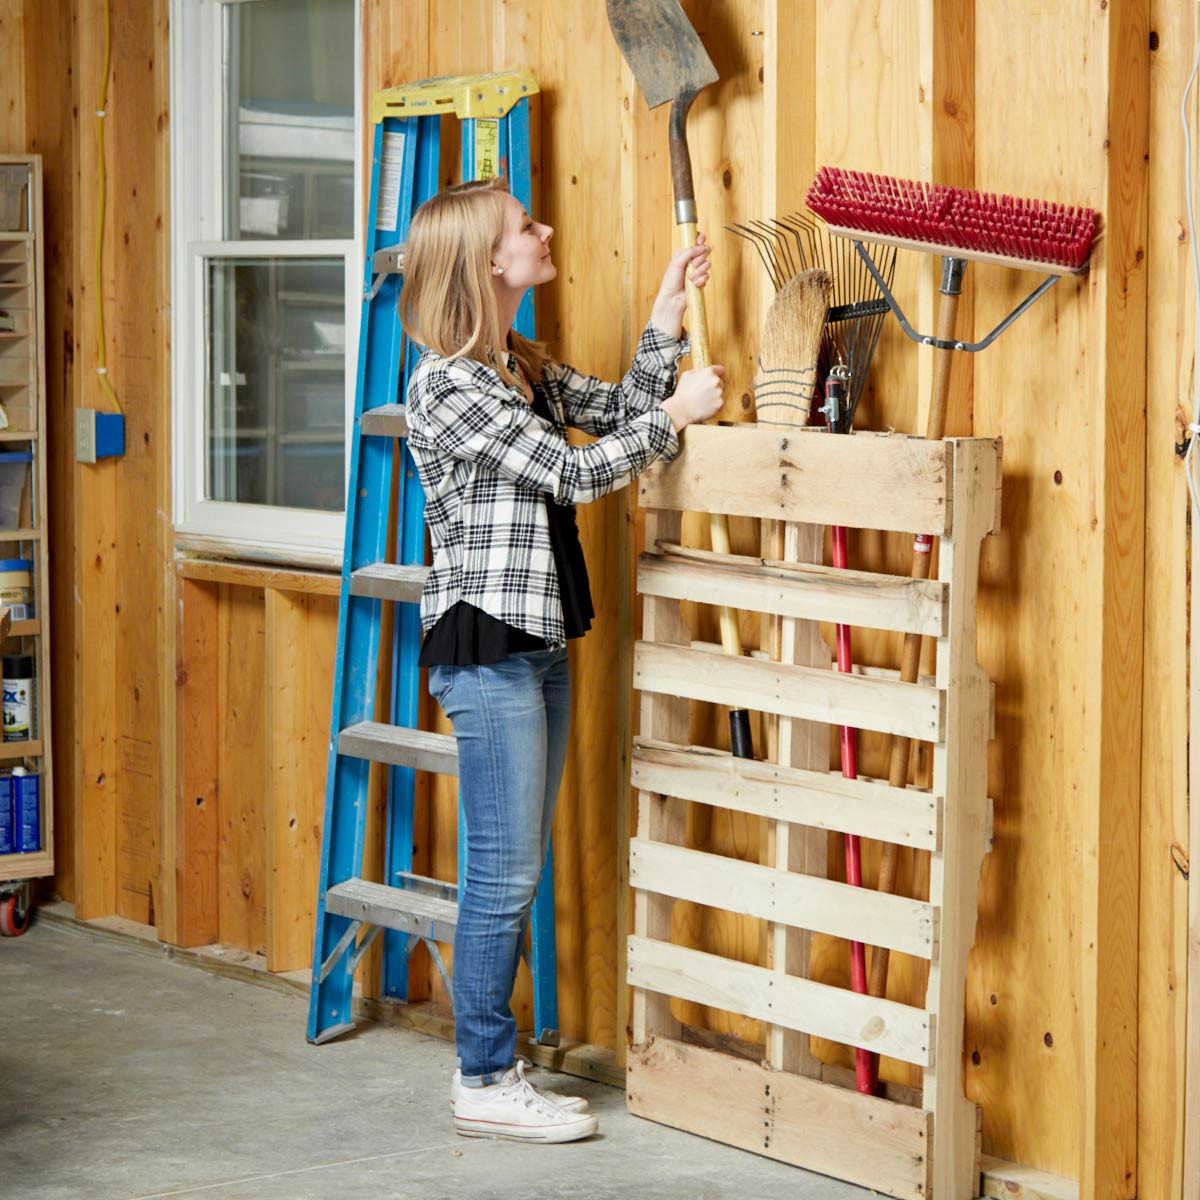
x,y
731,638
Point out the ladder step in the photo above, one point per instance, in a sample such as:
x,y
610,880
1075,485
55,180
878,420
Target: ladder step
x,y
386,581
385,420
400,747
394,908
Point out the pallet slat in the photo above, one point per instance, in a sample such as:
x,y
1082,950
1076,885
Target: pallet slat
x,y
823,800
815,1008
908,709
865,1140
806,591
785,897
804,475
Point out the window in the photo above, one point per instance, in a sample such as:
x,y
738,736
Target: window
x,y
265,256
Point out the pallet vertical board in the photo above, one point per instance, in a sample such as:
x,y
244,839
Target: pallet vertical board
x,y
937,1142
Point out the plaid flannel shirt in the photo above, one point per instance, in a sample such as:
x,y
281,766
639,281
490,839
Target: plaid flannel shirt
x,y
486,461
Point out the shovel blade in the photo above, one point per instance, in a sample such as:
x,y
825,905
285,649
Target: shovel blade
x,y
663,50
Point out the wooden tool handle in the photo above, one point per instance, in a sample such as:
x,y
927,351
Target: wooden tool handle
x,y
697,319
731,638
910,659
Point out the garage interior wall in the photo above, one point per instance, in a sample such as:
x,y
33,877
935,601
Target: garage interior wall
x,y
192,701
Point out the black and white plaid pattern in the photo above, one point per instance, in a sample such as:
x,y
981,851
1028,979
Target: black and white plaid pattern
x,y
486,461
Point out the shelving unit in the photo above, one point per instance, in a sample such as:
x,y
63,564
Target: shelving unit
x,y
791,1105
23,397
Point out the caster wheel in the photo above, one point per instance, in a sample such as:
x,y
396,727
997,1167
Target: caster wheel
x,y
14,917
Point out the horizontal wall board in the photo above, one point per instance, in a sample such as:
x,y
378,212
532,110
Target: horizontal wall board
x,y
909,709
862,1139
806,591
823,800
862,481
784,897
881,1026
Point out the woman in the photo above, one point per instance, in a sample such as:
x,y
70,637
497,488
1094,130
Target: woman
x,y
488,412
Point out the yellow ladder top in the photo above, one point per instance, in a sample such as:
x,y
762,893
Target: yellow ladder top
x,y
466,96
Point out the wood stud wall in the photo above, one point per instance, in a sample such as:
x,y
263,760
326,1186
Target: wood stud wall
x,y
181,698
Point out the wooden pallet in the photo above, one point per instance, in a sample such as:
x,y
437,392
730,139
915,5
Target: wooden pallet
x,y
791,1106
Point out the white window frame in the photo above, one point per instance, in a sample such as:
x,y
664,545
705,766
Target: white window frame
x,y
302,536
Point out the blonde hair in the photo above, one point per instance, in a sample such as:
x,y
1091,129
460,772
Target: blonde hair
x,y
447,302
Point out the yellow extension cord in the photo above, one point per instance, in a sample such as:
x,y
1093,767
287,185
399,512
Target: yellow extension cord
x,y
101,361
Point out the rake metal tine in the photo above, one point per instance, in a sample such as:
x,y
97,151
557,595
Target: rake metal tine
x,y
783,259
805,247
764,252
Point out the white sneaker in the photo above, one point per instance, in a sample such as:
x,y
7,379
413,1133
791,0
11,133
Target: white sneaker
x,y
512,1109
566,1103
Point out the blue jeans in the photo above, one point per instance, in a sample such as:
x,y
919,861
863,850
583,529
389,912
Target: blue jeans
x,y
510,722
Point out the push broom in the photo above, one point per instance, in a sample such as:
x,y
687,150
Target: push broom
x,y
959,225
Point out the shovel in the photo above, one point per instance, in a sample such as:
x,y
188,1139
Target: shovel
x,y
669,62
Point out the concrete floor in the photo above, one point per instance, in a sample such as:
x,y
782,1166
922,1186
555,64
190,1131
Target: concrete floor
x,y
127,1077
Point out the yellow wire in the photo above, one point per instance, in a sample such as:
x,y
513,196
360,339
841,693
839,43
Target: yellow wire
x,y
101,363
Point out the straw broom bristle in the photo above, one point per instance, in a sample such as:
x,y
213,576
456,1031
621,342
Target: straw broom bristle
x,y
791,342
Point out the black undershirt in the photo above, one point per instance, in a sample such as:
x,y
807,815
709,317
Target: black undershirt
x,y
467,636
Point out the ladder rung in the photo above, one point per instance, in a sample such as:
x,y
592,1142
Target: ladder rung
x,y
400,747
385,581
394,908
386,420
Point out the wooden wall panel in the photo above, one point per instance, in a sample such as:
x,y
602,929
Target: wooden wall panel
x,y
137,246
1171,316
241,769
1070,420
581,134
13,134
301,642
1086,813
94,588
51,105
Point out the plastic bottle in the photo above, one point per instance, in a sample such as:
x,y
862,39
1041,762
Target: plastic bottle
x,y
27,806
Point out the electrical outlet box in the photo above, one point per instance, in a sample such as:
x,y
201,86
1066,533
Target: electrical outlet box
x,y
98,435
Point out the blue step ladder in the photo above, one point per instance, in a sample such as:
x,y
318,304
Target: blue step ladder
x,y
493,111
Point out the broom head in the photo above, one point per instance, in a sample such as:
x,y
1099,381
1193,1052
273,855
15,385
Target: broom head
x,y
1026,234
791,345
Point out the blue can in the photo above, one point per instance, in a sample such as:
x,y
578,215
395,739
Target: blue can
x,y
27,801
8,833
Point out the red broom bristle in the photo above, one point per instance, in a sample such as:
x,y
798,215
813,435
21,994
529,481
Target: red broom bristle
x,y
1036,231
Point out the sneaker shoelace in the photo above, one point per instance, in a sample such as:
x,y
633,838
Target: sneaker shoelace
x,y
525,1091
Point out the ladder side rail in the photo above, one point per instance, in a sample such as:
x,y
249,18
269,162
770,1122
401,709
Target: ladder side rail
x,y
410,551
358,621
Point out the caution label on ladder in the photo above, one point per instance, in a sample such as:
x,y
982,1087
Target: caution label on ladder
x,y
487,149
391,174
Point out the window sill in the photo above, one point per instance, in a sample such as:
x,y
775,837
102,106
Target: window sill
x,y
220,551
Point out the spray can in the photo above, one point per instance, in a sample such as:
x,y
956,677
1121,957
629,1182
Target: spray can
x,y
18,696
27,805
8,833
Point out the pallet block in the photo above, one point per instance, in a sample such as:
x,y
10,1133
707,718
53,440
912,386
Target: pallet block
x,y
791,1106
